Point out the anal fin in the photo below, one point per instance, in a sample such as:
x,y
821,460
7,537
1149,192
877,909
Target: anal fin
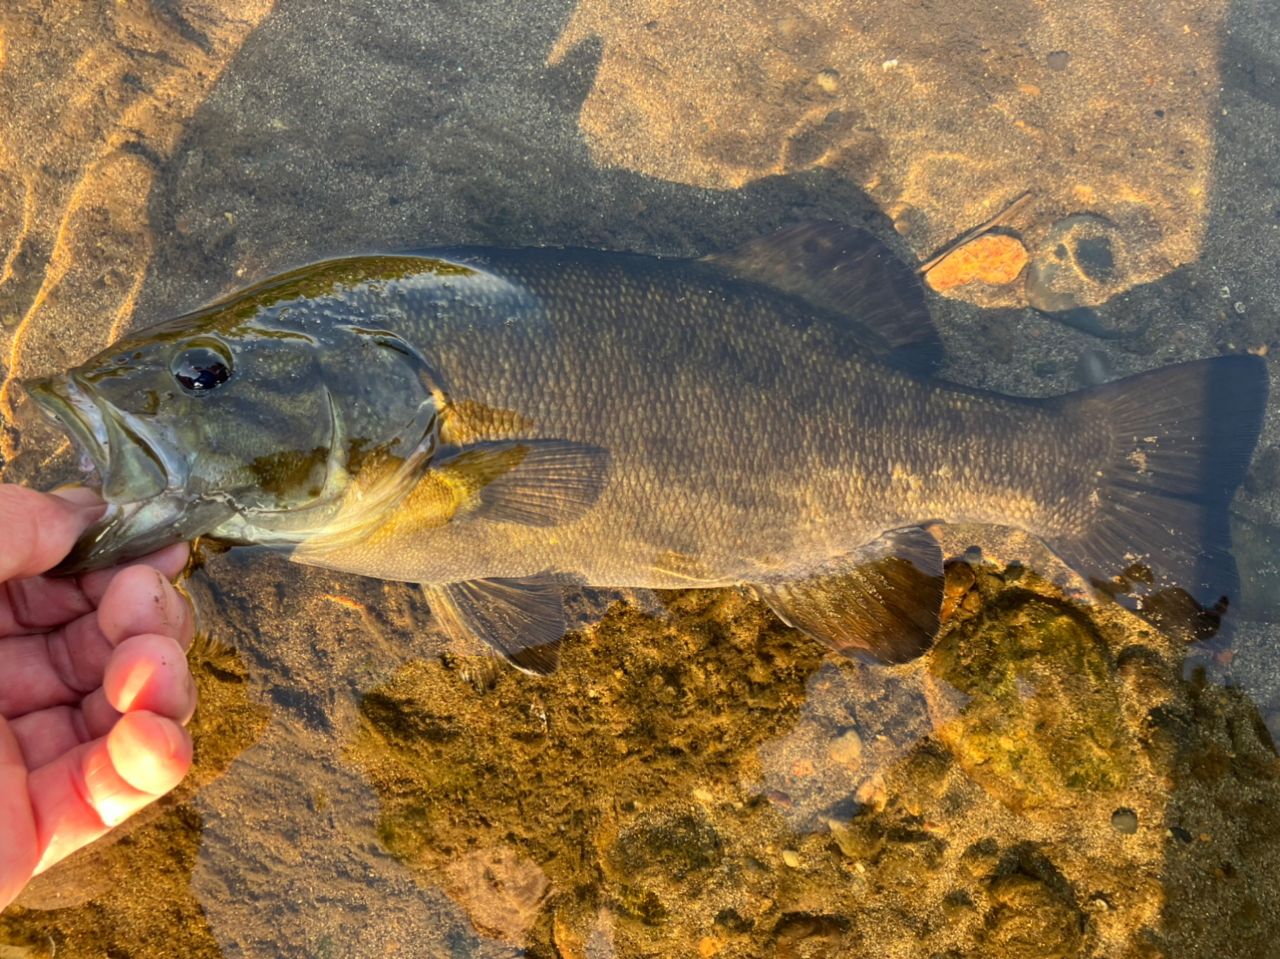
x,y
523,619
884,599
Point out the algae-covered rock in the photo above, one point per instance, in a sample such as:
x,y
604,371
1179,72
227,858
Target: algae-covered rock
x,y
1044,715
626,795
1030,921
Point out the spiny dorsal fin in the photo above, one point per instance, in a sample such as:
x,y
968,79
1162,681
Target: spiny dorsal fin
x,y
848,271
884,599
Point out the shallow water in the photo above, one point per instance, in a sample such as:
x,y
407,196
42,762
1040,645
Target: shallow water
x,y
697,777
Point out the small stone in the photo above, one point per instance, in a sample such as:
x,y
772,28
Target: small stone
x,y
1012,669
1081,263
992,258
859,839
791,858
708,946
872,793
802,768
1093,368
829,81
1124,820
1058,60
957,586
847,748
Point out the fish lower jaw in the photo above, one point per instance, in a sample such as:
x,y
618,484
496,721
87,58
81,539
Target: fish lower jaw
x,y
72,411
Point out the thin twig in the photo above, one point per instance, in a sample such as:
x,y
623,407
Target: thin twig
x,y
977,231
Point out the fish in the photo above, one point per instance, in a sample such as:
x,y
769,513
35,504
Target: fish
x,y
502,425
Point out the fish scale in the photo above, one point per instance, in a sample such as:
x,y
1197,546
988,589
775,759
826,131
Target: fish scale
x,y
798,445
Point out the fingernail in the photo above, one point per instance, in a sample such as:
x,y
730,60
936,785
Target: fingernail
x,y
193,698
107,791
173,614
135,681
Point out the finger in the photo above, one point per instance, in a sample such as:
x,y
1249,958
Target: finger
x,y
150,673
40,602
38,673
61,666
44,602
56,667
99,716
141,600
88,791
78,496
47,734
18,848
143,672
39,530
170,561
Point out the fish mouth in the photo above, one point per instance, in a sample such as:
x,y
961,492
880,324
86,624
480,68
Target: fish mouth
x,y
71,409
142,478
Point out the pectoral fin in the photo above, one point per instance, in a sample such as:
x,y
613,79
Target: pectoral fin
x,y
531,482
523,619
885,599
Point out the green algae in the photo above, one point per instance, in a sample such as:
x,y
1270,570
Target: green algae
x,y
618,792
1043,713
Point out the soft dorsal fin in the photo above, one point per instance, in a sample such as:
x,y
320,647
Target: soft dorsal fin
x,y
884,599
849,271
523,619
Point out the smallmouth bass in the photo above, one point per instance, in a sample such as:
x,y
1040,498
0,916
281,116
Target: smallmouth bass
x,y
497,425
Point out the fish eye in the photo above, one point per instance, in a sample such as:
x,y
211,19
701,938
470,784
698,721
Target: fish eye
x,y
201,369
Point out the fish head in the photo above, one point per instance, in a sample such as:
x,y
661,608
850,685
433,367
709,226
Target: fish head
x,y
258,426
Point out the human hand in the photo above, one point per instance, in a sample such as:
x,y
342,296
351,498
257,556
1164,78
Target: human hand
x,y
94,685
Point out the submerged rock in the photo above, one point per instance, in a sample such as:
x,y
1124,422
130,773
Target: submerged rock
x,y
1082,262
993,258
1044,715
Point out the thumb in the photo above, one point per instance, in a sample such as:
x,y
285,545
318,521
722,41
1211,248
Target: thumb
x,y
39,529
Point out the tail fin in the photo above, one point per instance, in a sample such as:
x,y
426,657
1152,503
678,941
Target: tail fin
x,y
1183,437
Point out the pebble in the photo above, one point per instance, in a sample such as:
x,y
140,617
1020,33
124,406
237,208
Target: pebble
x,y
1079,264
1124,820
992,258
1058,60
1093,368
847,748
791,858
872,793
